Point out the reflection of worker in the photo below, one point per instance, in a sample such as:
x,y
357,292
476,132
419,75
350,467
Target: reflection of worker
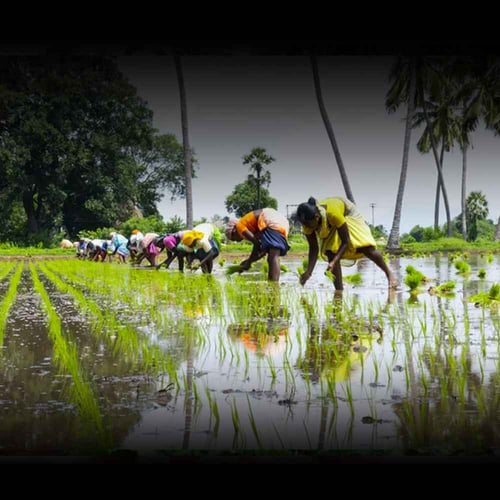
x,y
334,347
256,337
327,354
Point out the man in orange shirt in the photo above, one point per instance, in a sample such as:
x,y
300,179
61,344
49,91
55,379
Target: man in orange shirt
x,y
268,230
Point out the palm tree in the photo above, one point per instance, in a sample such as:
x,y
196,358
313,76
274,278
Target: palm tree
x,y
476,210
445,126
402,90
478,93
497,231
430,78
188,163
257,158
329,129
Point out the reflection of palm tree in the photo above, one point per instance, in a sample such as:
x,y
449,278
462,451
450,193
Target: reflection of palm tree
x,y
188,404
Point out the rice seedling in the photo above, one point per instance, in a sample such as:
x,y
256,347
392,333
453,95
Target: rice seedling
x,y
444,289
462,267
235,418
414,279
66,356
9,298
253,424
354,279
490,298
232,269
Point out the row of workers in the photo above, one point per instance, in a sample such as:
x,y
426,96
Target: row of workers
x,y
333,227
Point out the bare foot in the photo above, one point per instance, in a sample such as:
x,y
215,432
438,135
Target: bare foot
x,y
394,284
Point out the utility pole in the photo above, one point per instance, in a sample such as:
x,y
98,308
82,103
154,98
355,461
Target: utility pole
x,y
373,214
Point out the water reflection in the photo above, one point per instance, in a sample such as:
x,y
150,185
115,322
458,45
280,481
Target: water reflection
x,y
335,345
279,367
261,338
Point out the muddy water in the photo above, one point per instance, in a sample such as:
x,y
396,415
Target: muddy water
x,y
252,367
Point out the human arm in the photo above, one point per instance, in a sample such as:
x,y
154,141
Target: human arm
x,y
312,240
256,254
212,253
345,237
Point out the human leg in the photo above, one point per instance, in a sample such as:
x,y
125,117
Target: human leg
x,y
375,256
273,259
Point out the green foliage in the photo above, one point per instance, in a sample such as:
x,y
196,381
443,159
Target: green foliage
x,y
77,147
151,224
378,232
257,158
243,199
419,233
476,210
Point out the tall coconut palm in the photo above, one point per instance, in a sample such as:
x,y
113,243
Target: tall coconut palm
x,y
402,90
329,128
479,95
430,77
257,158
188,161
445,126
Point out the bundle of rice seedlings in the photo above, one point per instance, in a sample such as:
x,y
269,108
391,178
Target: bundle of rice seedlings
x,y
234,268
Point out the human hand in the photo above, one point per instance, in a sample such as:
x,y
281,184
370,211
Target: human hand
x,y
304,277
245,265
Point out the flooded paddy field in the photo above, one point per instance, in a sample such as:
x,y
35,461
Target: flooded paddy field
x,y
109,360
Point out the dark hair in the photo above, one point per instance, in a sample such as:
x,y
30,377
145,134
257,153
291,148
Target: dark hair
x,y
307,211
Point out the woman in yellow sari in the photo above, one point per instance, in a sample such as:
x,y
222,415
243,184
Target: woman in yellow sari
x,y
342,234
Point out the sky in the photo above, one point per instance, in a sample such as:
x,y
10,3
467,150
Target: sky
x,y
240,101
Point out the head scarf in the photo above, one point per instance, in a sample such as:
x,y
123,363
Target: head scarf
x,y
191,236
230,226
170,242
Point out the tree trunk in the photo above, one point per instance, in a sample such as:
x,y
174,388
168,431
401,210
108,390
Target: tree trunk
x,y
438,192
258,186
497,231
329,129
393,242
438,166
188,165
464,192
29,208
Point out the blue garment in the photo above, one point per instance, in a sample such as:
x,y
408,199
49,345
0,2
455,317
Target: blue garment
x,y
120,243
270,238
200,254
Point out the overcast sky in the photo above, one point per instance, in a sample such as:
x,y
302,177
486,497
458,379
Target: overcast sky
x,y
240,101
